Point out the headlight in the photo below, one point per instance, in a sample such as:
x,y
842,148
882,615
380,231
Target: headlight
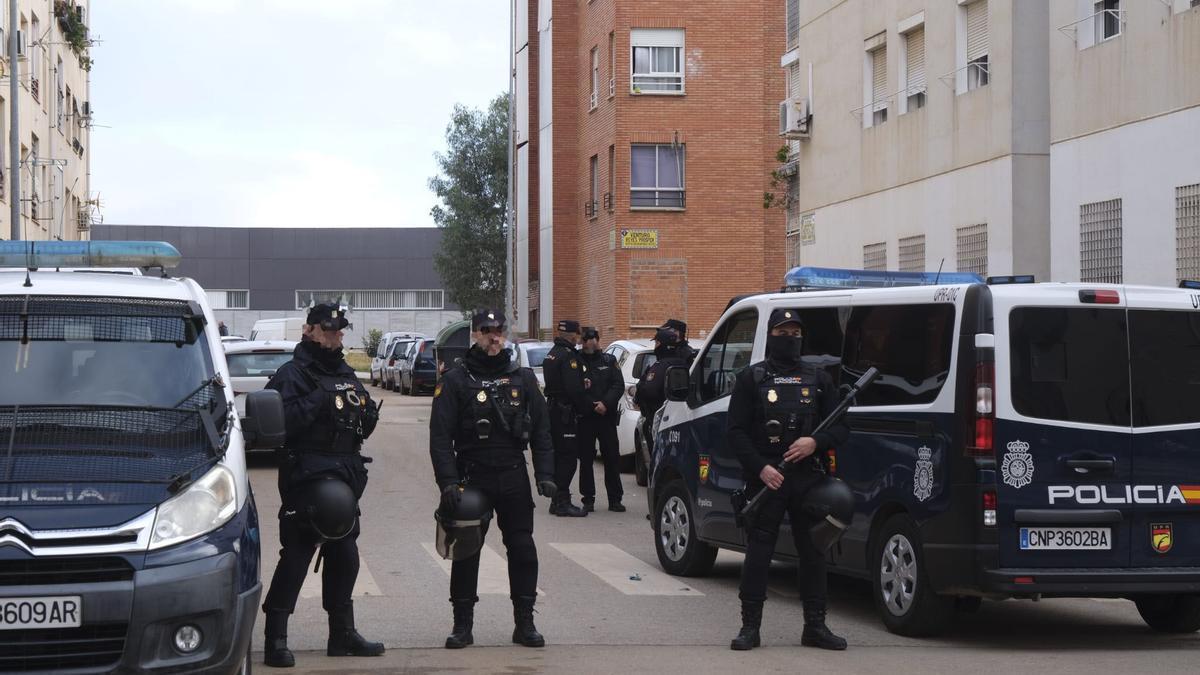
x,y
201,508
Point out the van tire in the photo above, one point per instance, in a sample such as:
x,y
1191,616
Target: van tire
x,y
1170,613
674,519
925,613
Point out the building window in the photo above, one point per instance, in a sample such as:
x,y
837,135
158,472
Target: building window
x,y
612,65
875,256
912,254
35,59
875,111
794,222
595,101
1107,20
656,176
228,299
914,69
374,299
591,209
612,178
793,24
60,99
973,249
657,61
1187,232
1100,242
977,44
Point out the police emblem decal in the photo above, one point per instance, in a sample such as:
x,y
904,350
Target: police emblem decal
x,y
1017,468
923,474
772,396
481,397
337,402
1160,537
703,469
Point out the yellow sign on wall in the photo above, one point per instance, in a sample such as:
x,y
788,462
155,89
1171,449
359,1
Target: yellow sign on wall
x,y
639,238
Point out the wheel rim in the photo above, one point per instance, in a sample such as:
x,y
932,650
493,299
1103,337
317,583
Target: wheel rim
x,y
898,575
674,526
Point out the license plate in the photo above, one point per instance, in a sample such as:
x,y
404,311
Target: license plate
x,y
56,612
1066,538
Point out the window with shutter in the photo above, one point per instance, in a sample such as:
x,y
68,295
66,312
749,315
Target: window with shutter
x,y
879,85
977,44
793,24
914,47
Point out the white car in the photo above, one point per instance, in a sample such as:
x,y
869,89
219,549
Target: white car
x,y
252,363
633,358
391,367
530,354
226,339
379,359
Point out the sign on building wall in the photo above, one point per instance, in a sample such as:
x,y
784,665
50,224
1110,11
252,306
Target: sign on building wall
x,y
639,238
808,229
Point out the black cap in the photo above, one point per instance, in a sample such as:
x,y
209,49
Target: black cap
x,y
781,316
666,336
329,316
590,332
568,326
487,318
677,325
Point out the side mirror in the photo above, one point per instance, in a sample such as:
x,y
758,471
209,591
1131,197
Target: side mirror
x,y
263,426
678,383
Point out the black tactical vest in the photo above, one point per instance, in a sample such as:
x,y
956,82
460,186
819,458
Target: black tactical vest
x,y
341,429
786,407
494,422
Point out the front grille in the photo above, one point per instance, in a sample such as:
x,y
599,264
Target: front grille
x,y
63,571
49,649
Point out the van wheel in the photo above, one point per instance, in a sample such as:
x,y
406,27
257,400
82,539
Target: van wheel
x,y
1170,613
641,472
680,551
906,601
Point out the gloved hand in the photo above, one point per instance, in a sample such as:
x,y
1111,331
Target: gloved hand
x,y
450,497
547,488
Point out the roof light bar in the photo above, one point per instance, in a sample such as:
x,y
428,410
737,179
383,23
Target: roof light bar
x,y
812,278
1190,284
56,254
1010,279
1102,297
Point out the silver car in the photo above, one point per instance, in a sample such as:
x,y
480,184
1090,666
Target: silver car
x,y
252,363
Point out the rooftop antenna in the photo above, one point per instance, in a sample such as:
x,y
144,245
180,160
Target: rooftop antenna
x,y
939,274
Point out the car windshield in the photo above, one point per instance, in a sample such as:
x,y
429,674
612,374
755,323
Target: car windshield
x,y
400,348
256,364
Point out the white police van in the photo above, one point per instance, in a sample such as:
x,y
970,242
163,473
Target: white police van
x,y
129,540
1023,440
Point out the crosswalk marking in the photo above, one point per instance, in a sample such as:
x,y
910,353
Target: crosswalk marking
x,y
493,569
363,586
622,571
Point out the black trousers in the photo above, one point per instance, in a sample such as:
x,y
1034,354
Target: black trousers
x,y
602,430
563,435
512,501
339,565
763,531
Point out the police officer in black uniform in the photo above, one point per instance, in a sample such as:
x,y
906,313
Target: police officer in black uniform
x,y
774,407
604,385
683,349
328,414
564,372
486,411
651,392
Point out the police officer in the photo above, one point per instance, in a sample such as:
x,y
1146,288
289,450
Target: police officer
x,y
328,414
773,409
486,411
683,349
564,372
604,385
651,392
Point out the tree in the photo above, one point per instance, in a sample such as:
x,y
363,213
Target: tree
x,y
371,340
473,189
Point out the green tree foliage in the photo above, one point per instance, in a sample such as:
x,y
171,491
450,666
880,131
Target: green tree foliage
x,y
473,190
370,341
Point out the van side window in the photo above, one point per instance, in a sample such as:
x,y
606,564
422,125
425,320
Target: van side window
x,y
824,332
1166,366
909,344
727,354
1070,364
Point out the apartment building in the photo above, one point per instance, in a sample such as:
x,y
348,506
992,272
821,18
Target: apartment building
x,y
643,139
919,135
54,119
1125,140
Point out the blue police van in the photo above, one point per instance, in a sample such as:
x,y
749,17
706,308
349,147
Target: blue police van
x,y
1023,440
129,540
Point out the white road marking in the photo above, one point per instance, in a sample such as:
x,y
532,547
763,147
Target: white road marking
x,y
493,570
364,585
616,567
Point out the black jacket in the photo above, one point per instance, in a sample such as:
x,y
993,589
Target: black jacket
x,y
483,410
764,390
564,373
651,390
603,382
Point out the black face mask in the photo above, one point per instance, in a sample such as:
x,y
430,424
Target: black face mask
x,y
784,348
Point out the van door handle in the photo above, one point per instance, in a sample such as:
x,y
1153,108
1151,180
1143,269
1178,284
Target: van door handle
x,y
1090,464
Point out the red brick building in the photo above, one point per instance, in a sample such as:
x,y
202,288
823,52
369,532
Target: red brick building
x,y
644,135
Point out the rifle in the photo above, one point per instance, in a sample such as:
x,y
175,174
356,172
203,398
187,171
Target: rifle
x,y
863,382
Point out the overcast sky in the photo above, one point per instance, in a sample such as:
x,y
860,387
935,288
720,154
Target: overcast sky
x,y
283,113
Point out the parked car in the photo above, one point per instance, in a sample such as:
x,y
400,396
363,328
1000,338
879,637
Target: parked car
x,y
252,363
383,353
278,329
391,367
452,343
225,339
633,358
418,372
530,354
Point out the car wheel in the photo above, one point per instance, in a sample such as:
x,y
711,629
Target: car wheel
x,y
1170,613
903,595
680,551
403,389
374,382
641,472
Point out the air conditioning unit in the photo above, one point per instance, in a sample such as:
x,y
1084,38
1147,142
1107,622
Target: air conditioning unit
x,y
794,119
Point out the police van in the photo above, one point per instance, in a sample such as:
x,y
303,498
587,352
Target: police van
x,y
1023,440
129,539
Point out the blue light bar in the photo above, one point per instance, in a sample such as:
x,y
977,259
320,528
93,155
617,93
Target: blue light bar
x,y
814,278
1190,284
54,254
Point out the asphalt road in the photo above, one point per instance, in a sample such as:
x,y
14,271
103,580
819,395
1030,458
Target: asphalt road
x,y
605,605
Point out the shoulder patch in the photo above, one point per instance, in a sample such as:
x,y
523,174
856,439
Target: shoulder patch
x,y
437,391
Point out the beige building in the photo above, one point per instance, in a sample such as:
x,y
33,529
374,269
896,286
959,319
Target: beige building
x,y
54,119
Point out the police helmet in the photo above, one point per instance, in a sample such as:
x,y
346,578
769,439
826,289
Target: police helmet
x,y
831,503
461,523
331,507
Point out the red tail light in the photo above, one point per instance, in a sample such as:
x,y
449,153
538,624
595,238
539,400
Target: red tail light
x,y
1100,297
989,508
985,408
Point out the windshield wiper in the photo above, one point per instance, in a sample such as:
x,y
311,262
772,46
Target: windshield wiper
x,y
210,382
